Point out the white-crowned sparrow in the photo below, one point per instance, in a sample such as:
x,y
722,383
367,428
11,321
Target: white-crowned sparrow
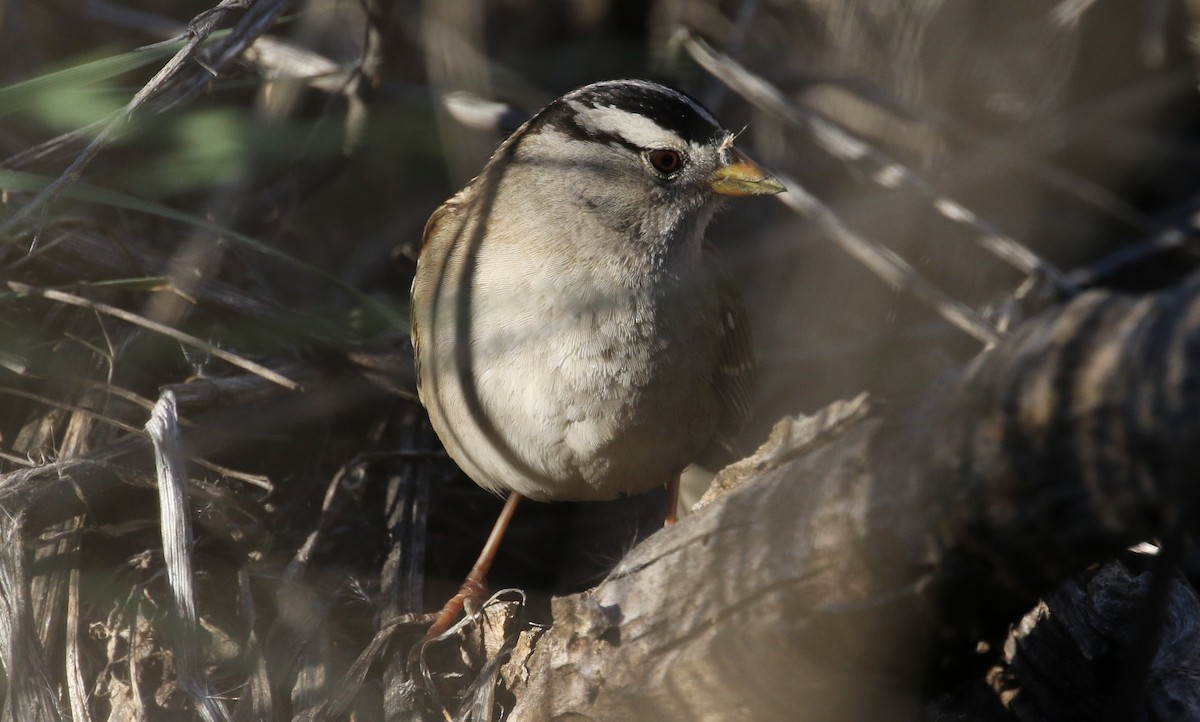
x,y
575,336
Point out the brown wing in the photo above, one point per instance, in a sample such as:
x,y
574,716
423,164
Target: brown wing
x,y
735,375
432,227
453,203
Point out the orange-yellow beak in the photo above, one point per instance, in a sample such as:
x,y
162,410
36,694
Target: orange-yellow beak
x,y
743,177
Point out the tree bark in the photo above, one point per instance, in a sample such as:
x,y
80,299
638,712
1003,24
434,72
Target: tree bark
x,y
860,573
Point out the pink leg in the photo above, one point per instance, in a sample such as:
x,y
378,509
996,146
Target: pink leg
x,y
672,502
475,585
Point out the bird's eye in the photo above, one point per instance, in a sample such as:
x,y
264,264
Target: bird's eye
x,y
665,160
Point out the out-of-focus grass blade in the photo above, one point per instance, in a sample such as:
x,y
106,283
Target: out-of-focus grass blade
x,y
18,181
26,93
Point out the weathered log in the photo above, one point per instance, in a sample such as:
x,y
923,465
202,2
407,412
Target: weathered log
x,y
856,579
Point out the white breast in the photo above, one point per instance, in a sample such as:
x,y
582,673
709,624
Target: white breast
x,y
573,392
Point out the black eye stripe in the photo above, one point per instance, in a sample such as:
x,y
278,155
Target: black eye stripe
x,y
569,124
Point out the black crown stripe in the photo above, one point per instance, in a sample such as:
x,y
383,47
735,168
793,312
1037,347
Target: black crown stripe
x,y
667,108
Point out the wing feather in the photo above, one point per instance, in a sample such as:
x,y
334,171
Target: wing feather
x,y
736,373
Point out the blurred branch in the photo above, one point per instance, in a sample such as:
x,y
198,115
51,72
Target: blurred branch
x,y
886,264
261,15
714,94
883,170
366,82
130,18
477,113
15,180
1177,230
988,150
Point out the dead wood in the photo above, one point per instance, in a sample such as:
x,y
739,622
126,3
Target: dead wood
x,y
829,586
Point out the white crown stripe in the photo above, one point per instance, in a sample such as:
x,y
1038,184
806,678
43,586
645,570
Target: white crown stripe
x,y
645,85
634,128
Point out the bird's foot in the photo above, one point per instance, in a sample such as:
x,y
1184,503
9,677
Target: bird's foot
x,y
470,595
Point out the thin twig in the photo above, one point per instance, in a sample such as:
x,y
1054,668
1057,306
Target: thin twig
x,y
258,480
260,16
180,336
1178,229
